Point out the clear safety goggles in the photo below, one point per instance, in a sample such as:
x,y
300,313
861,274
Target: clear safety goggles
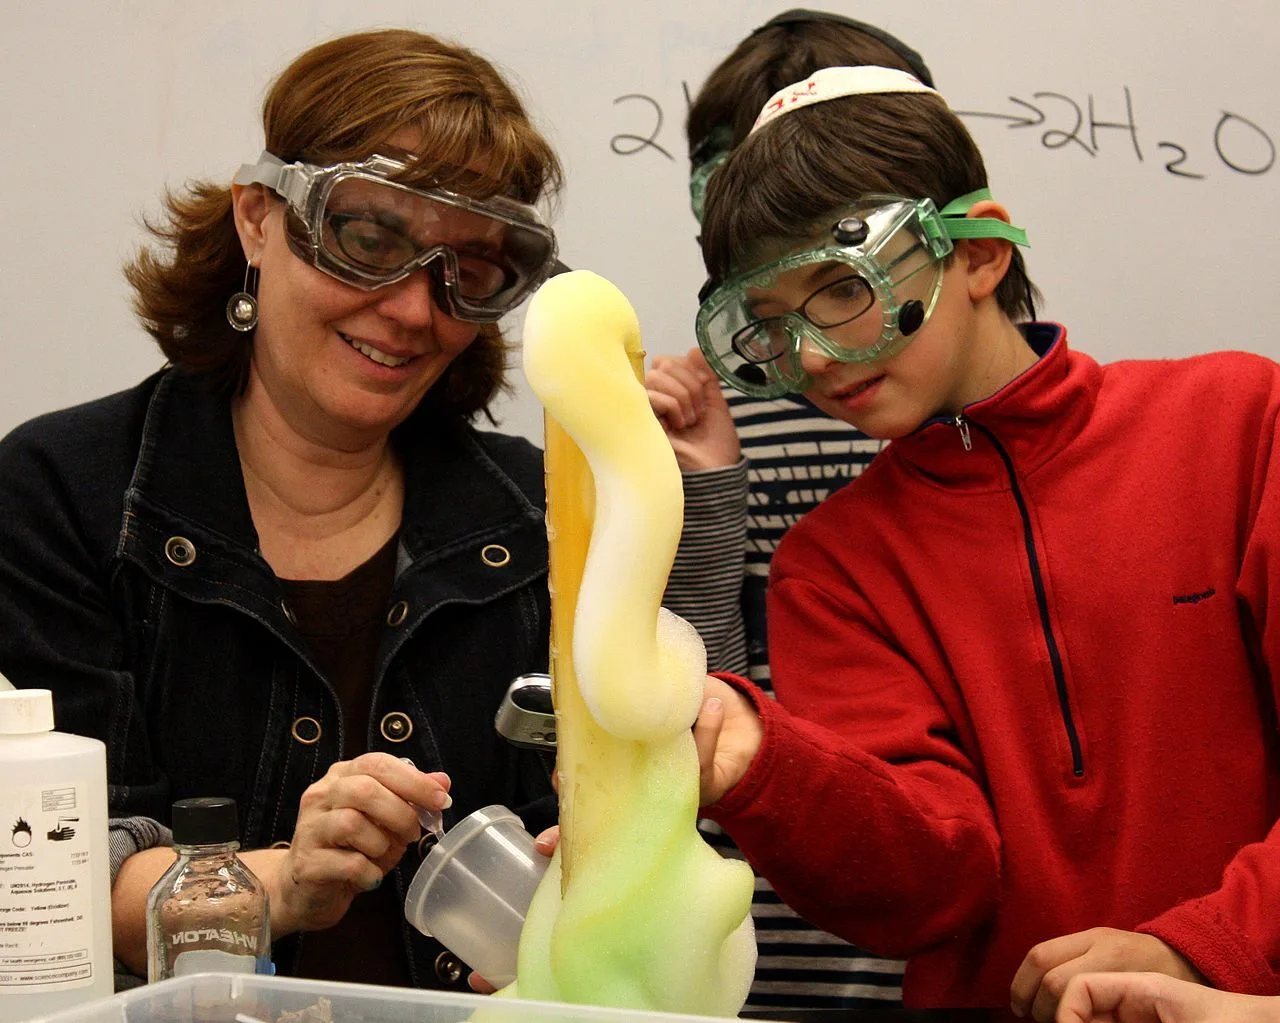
x,y
357,223
867,290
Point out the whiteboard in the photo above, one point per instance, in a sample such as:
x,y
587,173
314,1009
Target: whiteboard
x,y
1135,140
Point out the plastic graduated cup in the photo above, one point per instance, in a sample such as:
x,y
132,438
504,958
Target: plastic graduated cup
x,y
473,890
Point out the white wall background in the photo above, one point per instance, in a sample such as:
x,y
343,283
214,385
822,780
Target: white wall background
x,y
105,103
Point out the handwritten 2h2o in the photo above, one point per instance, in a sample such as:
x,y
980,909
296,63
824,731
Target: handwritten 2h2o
x,y
1241,144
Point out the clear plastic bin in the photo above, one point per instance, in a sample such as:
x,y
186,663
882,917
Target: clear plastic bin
x,y
247,998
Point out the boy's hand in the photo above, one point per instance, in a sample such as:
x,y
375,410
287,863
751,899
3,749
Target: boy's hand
x,y
1043,976
685,394
479,985
547,841
1157,998
727,734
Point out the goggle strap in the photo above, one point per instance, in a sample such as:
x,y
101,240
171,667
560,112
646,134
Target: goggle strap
x,y
265,172
290,181
959,225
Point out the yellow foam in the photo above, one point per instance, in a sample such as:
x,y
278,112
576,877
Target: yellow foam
x,y
637,910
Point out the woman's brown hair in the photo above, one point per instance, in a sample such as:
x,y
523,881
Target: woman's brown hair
x,y
785,181
338,101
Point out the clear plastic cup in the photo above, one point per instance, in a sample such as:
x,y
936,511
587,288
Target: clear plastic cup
x,y
473,890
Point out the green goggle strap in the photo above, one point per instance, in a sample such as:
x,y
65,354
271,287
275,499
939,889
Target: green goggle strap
x,y
698,183
705,159
959,225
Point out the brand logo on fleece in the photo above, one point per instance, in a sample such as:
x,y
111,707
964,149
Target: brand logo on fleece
x,y
1194,598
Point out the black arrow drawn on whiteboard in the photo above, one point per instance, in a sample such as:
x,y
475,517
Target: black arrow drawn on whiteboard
x,y
1015,120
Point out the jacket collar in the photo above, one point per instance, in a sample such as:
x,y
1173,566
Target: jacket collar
x,y
1031,418
188,467
187,478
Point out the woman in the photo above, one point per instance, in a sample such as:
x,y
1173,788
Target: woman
x,y
288,561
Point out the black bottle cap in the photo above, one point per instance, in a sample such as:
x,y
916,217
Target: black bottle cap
x,y
208,821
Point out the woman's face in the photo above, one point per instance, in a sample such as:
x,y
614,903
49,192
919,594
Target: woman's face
x,y
341,365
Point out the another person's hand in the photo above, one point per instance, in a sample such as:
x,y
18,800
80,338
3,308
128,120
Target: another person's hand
x,y
545,843
353,826
1043,976
685,394
1157,998
727,734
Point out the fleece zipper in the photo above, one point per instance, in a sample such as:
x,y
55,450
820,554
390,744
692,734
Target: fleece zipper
x,y
1037,581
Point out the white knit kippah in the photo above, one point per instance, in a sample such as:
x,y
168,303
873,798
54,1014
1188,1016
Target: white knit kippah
x,y
834,82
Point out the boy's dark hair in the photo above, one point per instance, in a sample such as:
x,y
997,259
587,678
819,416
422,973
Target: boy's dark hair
x,y
784,50
784,182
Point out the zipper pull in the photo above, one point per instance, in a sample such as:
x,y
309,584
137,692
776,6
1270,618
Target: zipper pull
x,y
962,425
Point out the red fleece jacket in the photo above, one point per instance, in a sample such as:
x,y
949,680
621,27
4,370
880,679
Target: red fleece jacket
x,y
1027,666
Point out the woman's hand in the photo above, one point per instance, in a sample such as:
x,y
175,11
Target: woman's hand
x,y
685,395
1043,976
727,734
1157,998
353,826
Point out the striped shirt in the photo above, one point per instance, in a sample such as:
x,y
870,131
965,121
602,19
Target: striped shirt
x,y
793,457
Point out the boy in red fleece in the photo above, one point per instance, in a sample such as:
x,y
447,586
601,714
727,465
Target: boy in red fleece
x,y
1025,664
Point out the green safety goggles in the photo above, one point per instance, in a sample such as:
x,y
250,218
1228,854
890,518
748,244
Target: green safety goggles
x,y
870,286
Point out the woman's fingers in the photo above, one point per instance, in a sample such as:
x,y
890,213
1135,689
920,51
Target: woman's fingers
x,y
382,789
399,775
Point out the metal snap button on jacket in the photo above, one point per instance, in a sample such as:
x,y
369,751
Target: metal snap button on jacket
x,y
398,613
495,555
448,967
180,551
396,727
306,731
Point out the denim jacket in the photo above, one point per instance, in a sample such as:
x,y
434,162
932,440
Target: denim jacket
x,y
131,586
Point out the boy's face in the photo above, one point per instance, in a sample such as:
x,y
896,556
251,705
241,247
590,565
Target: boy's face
x,y
890,398
856,291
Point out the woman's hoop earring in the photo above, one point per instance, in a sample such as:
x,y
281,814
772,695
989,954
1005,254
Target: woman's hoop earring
x,y
242,307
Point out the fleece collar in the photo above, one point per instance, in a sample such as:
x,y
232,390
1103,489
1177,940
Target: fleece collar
x,y
1031,419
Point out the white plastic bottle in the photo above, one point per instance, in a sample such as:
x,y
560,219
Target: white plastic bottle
x,y
55,883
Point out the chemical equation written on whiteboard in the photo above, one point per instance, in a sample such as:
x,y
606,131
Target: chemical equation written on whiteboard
x,y
1230,140
1061,121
